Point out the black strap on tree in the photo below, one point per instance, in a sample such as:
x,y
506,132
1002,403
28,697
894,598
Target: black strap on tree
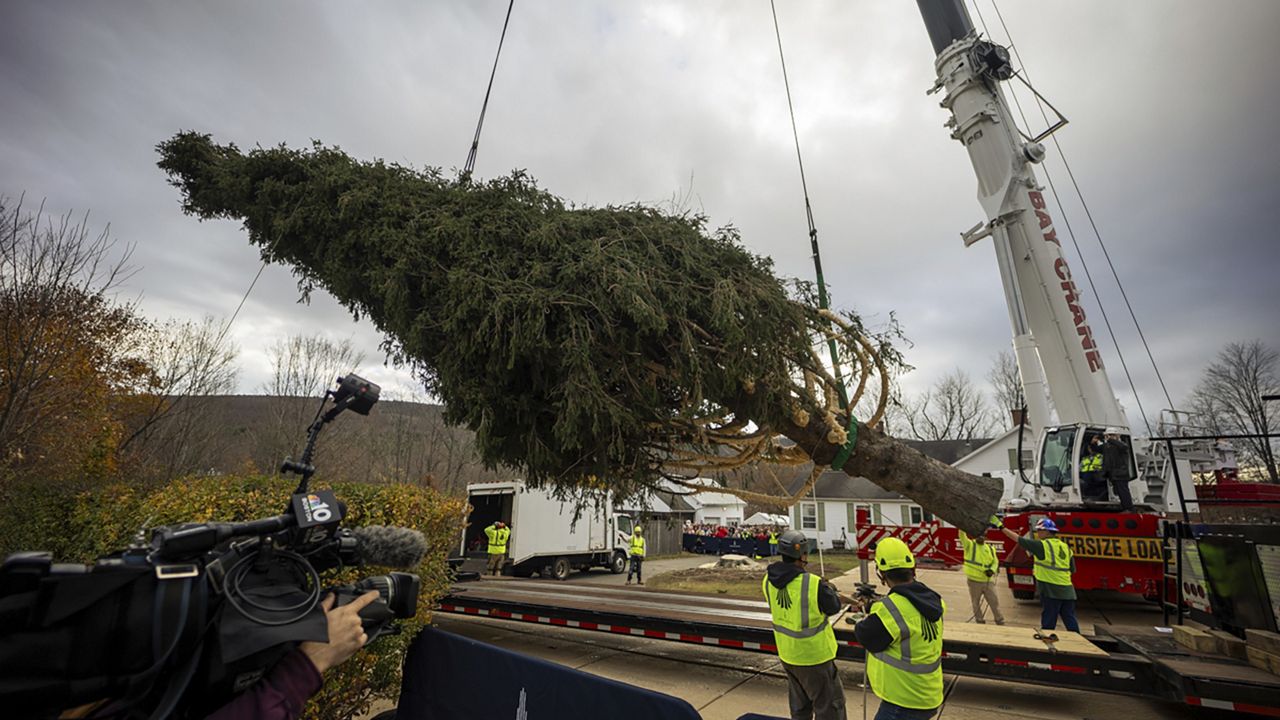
x,y
475,142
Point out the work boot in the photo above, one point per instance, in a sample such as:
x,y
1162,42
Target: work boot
x,y
628,581
639,582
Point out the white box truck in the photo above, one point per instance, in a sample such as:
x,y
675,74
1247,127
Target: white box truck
x,y
546,538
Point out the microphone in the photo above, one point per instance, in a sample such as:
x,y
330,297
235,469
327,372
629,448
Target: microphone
x,y
390,546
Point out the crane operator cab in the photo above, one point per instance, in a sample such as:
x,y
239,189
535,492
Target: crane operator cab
x,y
1070,466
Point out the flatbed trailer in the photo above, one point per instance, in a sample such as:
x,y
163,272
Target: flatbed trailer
x,y
1138,661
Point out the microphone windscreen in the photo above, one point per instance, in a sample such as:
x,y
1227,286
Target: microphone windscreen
x,y
390,546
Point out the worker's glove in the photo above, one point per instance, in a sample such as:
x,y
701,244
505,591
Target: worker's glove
x,y
995,522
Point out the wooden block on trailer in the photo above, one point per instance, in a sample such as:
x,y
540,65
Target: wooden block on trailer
x,y
1194,638
1263,640
1263,660
1229,644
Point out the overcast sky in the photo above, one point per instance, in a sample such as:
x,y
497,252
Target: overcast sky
x,y
1173,109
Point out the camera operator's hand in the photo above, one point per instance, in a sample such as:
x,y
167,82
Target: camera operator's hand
x,y
346,635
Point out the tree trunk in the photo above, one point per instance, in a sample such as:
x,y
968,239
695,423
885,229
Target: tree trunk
x,y
964,500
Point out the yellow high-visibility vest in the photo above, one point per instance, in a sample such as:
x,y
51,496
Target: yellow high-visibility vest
x,y
908,672
637,545
800,629
497,539
1055,568
978,559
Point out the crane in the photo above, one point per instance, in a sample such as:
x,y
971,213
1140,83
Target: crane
x,y
1053,342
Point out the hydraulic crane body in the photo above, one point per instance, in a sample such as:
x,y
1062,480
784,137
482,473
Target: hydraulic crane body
x,y
1053,340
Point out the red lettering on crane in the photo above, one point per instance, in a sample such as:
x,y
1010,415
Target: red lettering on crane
x,y
1070,293
1045,221
1037,200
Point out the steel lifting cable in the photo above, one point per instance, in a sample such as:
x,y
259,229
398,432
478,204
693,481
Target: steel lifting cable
x,y
823,302
822,290
1089,215
475,142
1062,212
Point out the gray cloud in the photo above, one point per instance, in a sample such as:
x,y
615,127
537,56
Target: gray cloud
x,y
1172,107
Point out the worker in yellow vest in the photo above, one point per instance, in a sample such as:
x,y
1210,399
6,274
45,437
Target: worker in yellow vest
x,y
1092,485
498,535
637,556
980,570
800,603
902,635
1054,564
773,543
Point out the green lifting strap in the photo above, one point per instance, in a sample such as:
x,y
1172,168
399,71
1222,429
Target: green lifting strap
x,y
846,452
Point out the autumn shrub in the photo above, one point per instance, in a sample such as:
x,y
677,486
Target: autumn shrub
x,y
80,527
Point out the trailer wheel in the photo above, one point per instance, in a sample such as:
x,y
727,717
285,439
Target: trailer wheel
x,y
618,563
558,569
1024,594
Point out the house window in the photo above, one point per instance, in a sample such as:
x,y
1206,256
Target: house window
x,y
912,515
808,516
712,519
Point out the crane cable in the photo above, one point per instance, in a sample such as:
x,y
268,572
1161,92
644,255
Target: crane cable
x,y
1094,225
475,142
1053,190
823,302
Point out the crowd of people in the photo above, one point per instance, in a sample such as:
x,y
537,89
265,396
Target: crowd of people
x,y
717,539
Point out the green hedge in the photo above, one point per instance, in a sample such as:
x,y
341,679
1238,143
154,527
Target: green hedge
x,y
81,527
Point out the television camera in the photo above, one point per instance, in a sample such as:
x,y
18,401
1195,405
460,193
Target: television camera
x,y
180,621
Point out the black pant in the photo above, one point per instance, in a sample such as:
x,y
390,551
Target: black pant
x,y
636,563
814,692
1120,486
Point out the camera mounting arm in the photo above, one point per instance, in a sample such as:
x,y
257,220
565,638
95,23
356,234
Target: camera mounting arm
x,y
353,393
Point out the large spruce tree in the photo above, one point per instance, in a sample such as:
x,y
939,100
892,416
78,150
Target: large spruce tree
x,y
582,345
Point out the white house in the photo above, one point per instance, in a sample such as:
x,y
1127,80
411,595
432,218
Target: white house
x,y
997,458
840,503
716,508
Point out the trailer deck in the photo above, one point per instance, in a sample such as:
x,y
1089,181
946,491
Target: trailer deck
x,y
1138,661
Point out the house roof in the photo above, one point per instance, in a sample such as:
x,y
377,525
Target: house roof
x,y
699,500
646,502
946,451
835,484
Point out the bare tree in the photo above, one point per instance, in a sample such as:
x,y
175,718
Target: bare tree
x,y
303,368
953,409
1229,398
191,362
66,340
1006,384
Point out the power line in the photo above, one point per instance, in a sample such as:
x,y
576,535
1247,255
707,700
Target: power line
x,y
475,142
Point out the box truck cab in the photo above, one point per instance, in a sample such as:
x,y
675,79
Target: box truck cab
x,y
549,536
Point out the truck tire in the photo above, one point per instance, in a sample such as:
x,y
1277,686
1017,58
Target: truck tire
x,y
559,569
618,563
1024,594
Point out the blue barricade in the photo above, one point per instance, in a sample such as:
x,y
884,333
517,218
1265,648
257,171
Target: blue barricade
x,y
710,545
450,677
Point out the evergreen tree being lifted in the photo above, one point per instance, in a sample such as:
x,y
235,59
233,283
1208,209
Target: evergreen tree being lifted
x,y
622,344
